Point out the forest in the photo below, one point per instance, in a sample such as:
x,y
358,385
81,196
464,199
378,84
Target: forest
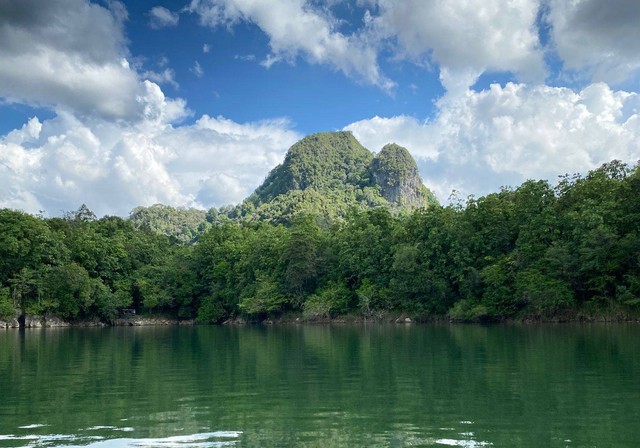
x,y
567,251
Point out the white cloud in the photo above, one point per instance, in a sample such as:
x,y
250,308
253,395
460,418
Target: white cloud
x,y
161,17
295,28
465,37
598,37
240,156
206,48
197,70
462,39
117,141
245,57
113,167
114,142
505,135
67,54
166,76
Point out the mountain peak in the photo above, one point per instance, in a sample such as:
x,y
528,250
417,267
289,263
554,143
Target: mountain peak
x,y
396,172
331,172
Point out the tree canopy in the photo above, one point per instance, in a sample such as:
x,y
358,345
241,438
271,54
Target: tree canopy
x,y
538,251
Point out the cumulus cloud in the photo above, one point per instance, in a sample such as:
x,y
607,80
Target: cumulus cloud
x,y
464,38
60,163
67,54
166,76
460,40
161,17
505,135
222,161
296,28
115,141
599,37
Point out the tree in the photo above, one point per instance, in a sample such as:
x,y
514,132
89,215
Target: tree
x,y
70,290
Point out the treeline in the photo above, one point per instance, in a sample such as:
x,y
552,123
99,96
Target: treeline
x,y
534,252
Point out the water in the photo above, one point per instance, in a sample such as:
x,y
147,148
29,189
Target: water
x,y
205,386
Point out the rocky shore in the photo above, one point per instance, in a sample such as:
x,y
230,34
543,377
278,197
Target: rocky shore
x,y
34,322
52,322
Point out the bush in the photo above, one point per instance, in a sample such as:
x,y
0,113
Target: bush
x,y
544,296
331,300
7,310
211,311
468,311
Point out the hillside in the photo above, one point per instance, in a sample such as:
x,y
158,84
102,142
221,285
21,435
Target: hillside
x,y
323,175
329,173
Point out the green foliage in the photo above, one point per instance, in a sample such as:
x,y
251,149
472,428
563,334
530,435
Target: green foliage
x,y
544,296
70,290
395,171
211,311
534,252
265,297
321,161
467,310
7,308
183,224
325,175
331,300
107,304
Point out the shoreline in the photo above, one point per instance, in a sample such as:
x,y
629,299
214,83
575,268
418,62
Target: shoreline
x,y
391,318
55,322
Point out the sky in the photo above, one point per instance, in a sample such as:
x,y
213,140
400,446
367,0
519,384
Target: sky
x,y
191,103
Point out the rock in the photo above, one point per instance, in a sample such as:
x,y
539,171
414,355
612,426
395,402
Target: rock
x,y
32,321
403,320
396,172
54,322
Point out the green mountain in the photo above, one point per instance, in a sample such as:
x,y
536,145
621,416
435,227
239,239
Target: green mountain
x,y
323,175
329,173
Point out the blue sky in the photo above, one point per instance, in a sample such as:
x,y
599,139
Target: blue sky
x,y
191,103
234,84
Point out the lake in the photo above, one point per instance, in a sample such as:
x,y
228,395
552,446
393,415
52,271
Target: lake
x,y
380,385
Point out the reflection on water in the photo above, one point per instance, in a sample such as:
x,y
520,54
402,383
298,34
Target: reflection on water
x,y
202,440
359,386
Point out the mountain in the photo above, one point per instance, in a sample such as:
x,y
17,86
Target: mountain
x,y
395,171
323,175
329,173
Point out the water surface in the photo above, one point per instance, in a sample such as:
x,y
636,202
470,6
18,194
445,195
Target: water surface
x,y
207,386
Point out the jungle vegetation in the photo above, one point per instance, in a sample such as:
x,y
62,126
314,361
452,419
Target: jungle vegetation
x,y
538,251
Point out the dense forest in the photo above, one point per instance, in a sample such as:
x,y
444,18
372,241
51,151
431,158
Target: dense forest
x,y
538,251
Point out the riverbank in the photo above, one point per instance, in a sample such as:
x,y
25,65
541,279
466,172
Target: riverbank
x,y
292,319
55,322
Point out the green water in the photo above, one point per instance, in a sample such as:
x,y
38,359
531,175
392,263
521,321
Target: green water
x,y
206,386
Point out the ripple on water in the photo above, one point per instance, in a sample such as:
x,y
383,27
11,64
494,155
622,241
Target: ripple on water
x,y
200,440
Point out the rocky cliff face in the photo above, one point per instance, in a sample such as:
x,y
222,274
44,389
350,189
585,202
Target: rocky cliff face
x,y
396,172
